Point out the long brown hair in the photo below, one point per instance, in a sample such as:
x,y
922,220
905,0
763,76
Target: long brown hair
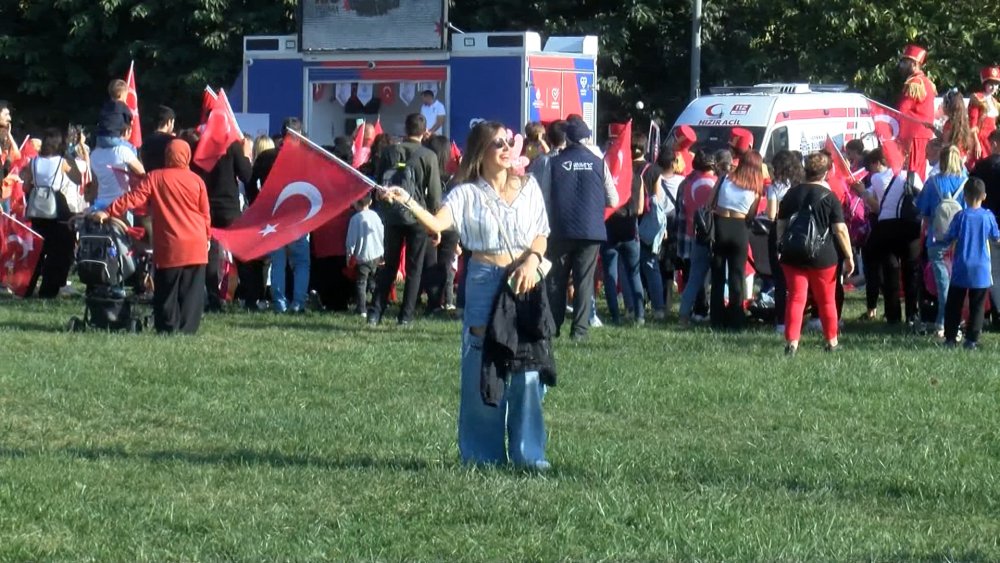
x,y
749,175
476,148
958,120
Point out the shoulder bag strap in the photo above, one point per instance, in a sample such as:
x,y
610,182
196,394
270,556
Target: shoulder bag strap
x,y
885,194
670,196
492,200
717,189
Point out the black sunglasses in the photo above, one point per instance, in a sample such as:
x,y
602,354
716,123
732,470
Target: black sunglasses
x,y
499,144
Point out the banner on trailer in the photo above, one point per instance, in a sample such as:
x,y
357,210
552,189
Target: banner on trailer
x,y
354,25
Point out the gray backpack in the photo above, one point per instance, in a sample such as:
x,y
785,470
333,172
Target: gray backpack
x,y
945,211
43,200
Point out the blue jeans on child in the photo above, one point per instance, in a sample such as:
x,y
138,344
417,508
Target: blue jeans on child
x,y
481,428
935,254
701,263
297,253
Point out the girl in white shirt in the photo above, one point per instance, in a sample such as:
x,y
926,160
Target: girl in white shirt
x,y
501,219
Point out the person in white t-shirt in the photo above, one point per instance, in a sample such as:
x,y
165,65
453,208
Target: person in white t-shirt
x,y
433,112
894,244
111,166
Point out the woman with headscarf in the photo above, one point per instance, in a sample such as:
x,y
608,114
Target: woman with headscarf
x,y
181,231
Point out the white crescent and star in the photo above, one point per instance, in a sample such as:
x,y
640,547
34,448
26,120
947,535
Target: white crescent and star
x,y
304,189
890,121
26,245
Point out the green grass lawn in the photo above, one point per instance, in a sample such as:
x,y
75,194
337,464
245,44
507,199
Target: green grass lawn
x,y
312,437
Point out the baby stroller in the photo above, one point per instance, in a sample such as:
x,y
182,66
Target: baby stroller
x,y
105,264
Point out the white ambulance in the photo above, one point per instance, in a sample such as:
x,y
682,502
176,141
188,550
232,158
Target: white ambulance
x,y
781,116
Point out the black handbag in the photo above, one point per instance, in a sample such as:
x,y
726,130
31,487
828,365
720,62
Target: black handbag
x,y
704,219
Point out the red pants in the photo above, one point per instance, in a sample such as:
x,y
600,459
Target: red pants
x,y
917,161
824,288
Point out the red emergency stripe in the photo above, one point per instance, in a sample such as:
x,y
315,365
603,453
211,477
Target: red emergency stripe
x,y
395,74
800,114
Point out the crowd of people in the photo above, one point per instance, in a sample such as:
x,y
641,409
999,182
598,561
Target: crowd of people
x,y
540,221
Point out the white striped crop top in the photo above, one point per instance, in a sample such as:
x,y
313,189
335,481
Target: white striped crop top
x,y
475,208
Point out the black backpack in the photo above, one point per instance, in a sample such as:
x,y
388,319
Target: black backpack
x,y
401,167
803,239
908,210
103,256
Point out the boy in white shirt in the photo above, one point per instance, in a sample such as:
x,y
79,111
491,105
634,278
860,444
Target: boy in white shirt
x,y
365,249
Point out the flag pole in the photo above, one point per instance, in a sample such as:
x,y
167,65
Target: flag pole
x,y
840,156
334,158
27,228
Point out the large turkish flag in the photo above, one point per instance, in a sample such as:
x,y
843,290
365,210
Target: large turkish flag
x,y
306,188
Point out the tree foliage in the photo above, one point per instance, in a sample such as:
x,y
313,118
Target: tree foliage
x,y
56,57
645,44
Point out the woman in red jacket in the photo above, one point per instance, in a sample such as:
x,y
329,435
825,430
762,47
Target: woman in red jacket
x,y
181,231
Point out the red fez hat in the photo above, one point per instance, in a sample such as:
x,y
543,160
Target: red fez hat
x,y
685,136
990,74
740,139
915,53
615,129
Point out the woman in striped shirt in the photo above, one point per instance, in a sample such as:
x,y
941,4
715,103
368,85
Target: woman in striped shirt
x,y
501,219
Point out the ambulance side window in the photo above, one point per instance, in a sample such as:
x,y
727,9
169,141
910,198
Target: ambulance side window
x,y
779,142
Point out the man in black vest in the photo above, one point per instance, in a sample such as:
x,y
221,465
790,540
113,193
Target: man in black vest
x,y
581,189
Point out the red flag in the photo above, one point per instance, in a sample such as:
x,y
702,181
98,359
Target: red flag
x,y
318,91
230,278
378,128
28,152
619,159
132,101
841,169
839,178
324,185
387,94
887,128
13,179
360,151
208,98
221,131
21,251
454,160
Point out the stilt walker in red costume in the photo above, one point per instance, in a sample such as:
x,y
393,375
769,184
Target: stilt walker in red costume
x,y
917,102
984,109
